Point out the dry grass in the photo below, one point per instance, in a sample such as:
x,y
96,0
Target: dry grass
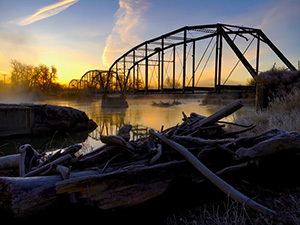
x,y
283,113
230,212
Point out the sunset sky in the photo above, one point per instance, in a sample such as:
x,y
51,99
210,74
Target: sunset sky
x,y
81,35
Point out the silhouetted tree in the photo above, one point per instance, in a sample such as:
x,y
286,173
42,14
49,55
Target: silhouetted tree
x,y
27,76
168,83
21,74
43,78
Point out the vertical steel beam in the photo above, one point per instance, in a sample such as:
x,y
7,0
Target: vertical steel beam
x,y
137,76
158,71
193,65
216,60
162,64
174,65
146,68
220,60
117,80
184,61
133,72
124,75
257,54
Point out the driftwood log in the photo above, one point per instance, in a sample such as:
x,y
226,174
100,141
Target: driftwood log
x,y
124,172
221,184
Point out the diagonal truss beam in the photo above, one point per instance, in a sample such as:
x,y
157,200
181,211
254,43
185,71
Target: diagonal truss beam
x,y
238,53
276,50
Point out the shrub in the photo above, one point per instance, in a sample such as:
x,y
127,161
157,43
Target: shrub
x,y
279,82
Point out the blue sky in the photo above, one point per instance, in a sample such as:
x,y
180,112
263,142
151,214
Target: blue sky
x,y
80,35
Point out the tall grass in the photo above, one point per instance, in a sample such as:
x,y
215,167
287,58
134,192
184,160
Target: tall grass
x,y
231,212
283,113
228,212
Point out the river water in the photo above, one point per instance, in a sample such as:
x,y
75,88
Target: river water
x,y
141,114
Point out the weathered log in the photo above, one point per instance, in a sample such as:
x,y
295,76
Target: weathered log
x,y
235,168
126,187
28,157
48,166
151,145
102,156
109,161
115,140
248,142
193,115
64,171
9,162
201,141
25,196
157,155
124,132
208,131
61,152
224,112
185,117
221,184
285,142
234,133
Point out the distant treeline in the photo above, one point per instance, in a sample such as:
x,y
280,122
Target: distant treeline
x,y
28,77
31,82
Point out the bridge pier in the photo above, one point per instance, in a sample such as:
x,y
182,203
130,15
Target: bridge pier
x,y
114,101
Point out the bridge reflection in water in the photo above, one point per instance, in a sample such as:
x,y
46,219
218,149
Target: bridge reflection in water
x,y
111,120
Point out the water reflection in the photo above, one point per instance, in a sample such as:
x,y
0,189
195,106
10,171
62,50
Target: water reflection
x,y
141,114
111,120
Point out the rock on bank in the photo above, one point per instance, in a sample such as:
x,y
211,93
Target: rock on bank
x,y
37,119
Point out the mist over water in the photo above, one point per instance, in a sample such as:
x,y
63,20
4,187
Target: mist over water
x,y
141,114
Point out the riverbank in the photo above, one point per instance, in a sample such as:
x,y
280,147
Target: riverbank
x,y
271,191
41,120
283,113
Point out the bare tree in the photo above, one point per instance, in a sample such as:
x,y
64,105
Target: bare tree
x,y
21,74
28,76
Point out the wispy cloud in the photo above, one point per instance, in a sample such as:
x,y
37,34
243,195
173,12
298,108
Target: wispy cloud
x,y
281,14
129,20
47,11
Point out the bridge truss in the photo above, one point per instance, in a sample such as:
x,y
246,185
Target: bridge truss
x,y
183,60
93,80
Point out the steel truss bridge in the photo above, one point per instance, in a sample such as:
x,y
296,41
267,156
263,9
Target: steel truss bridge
x,y
181,60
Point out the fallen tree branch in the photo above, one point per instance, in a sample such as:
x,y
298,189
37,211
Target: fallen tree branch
x,y
202,141
284,142
124,132
221,184
193,114
27,157
48,166
116,140
225,111
157,155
